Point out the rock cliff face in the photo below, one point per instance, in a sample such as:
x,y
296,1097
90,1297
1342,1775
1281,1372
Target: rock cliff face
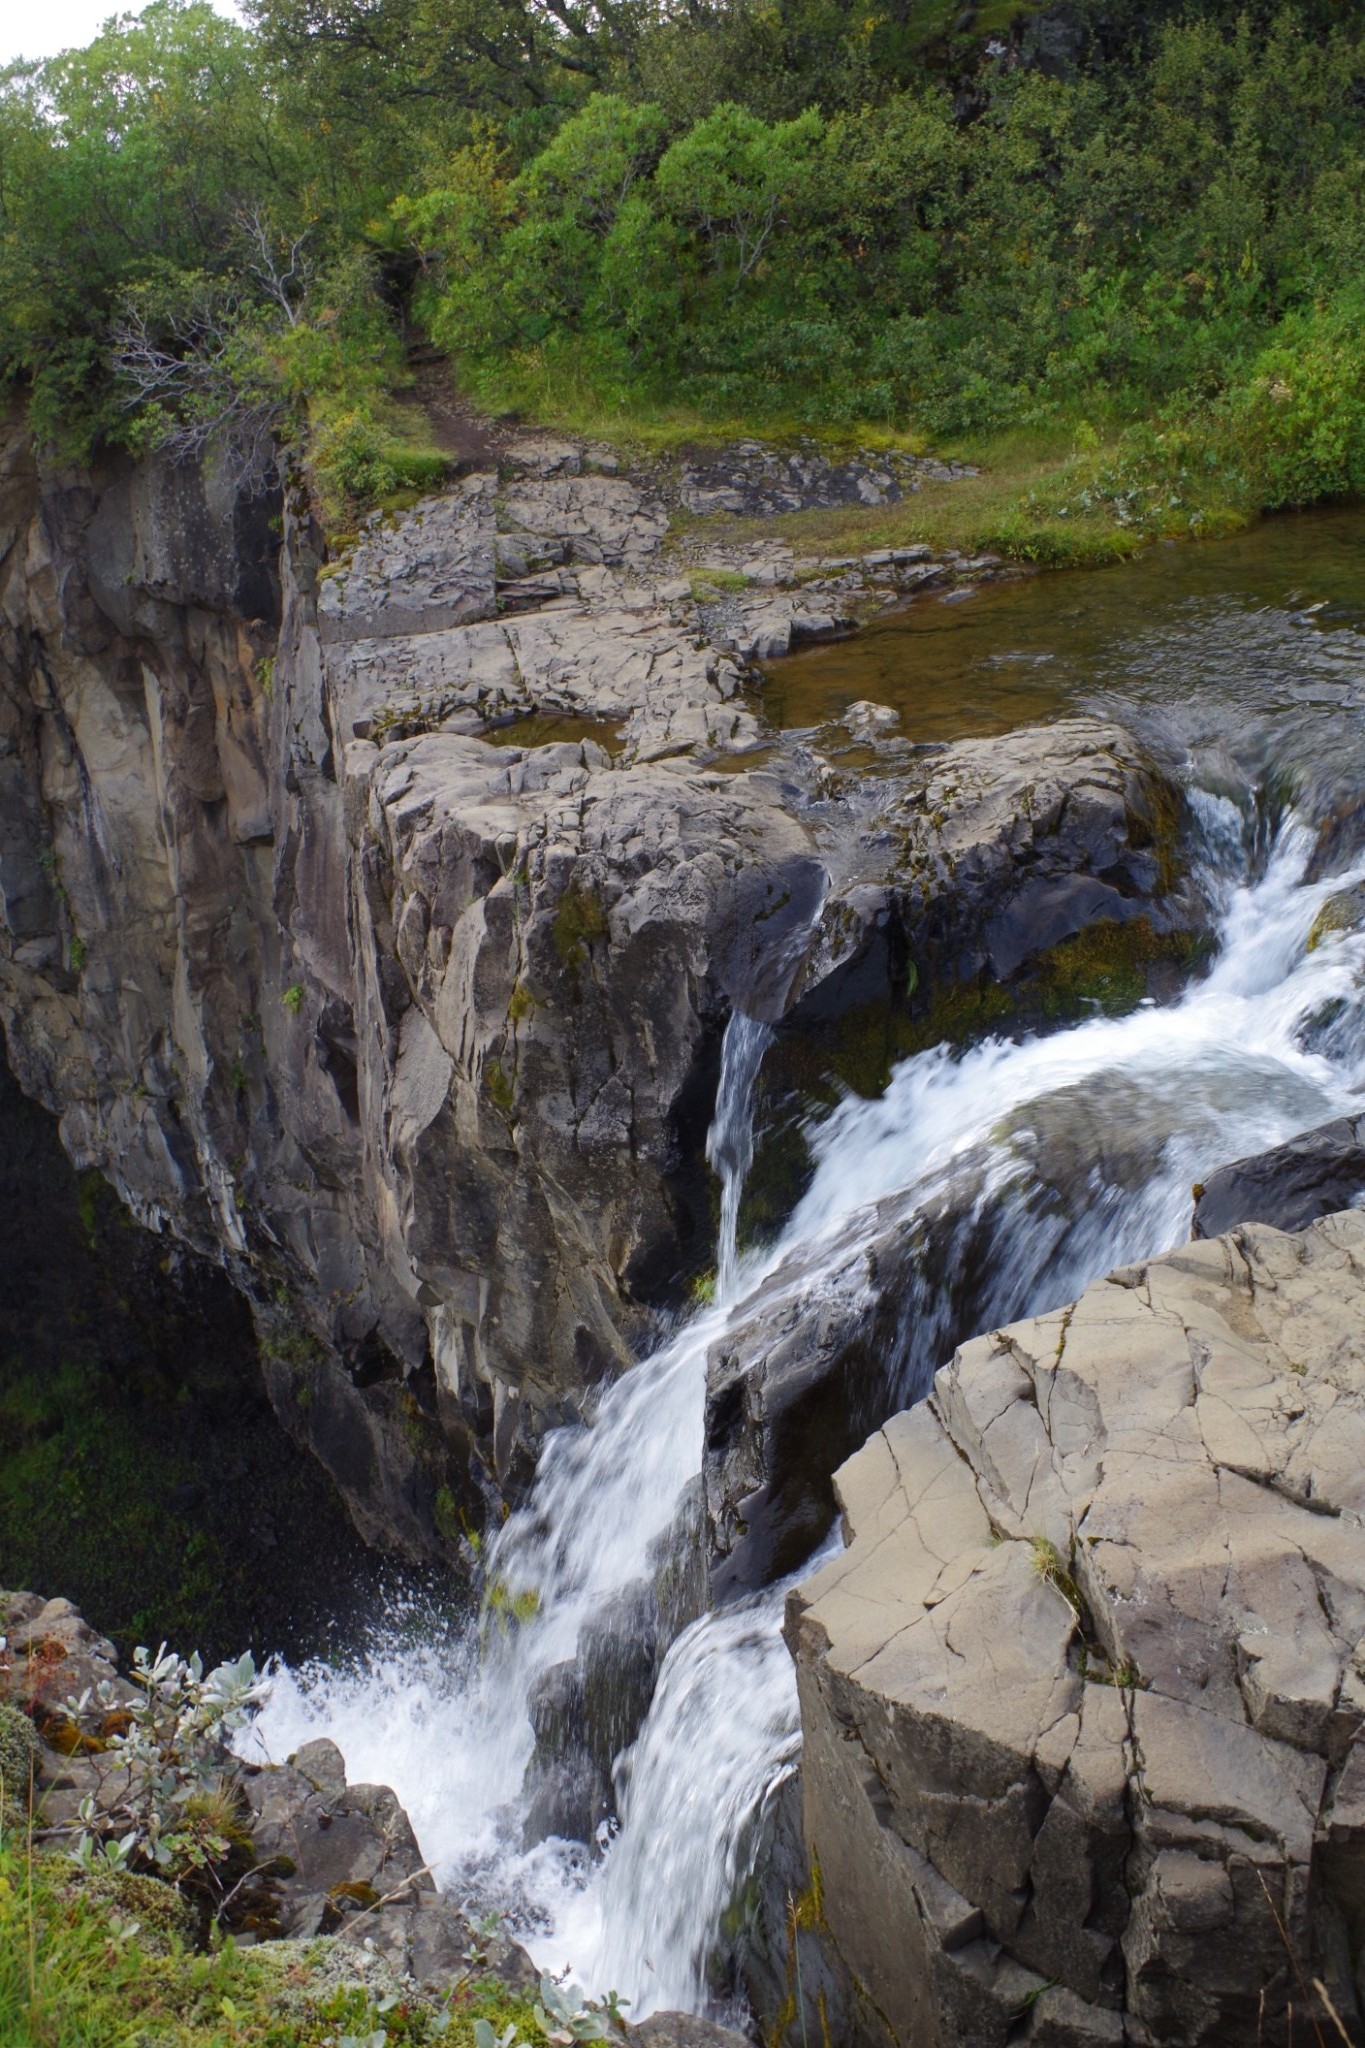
x,y
1083,1698
373,924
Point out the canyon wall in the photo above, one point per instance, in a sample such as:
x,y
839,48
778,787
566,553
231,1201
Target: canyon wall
x,y
373,922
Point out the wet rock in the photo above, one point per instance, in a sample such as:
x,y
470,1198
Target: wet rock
x,y
984,870
330,1850
585,1712
1081,1706
683,2030
418,1035
1290,1186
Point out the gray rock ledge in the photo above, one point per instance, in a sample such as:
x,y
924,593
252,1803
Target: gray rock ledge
x,y
1082,1700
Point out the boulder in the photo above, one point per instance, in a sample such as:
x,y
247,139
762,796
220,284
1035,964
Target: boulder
x,y
683,2030
1082,1699
1290,1186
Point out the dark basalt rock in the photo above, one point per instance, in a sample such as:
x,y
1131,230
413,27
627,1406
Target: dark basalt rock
x,y
417,1035
1290,1186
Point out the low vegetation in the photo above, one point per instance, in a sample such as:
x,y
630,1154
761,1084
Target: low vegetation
x,y
117,1931
1117,261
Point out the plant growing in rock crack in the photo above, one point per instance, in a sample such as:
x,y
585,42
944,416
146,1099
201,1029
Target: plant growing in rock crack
x,y
169,1799
1050,1565
564,2014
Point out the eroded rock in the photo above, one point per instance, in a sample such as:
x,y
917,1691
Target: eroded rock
x,y
419,1034
1082,1699
1290,1186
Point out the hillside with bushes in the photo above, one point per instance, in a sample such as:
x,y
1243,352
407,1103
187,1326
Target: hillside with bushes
x,y
1121,241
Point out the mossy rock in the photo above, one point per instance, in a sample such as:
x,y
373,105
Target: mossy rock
x,y
1344,912
165,1921
579,922
20,1751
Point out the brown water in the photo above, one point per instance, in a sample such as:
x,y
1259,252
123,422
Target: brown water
x,y
1216,646
548,728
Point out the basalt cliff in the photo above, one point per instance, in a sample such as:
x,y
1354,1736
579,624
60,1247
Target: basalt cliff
x,y
371,918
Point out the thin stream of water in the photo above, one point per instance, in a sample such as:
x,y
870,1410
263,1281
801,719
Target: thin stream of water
x,y
1271,1042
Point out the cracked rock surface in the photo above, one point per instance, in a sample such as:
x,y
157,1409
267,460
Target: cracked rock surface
x,y
1083,1698
373,923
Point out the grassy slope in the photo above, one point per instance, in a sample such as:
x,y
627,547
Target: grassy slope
x,y
1058,496
72,1976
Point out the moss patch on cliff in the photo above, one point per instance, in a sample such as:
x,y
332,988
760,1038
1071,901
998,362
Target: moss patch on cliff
x,y
579,922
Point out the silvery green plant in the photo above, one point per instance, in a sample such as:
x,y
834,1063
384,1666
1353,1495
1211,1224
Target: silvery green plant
x,y
172,1755
485,2037
564,2014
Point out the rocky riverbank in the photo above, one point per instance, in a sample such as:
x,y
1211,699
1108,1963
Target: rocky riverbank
x,y
1082,1700
357,969
326,1877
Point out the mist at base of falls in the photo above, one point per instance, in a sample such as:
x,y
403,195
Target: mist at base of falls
x,y
1120,1115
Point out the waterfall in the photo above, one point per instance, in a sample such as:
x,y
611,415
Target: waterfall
x,y
730,1142
1053,1160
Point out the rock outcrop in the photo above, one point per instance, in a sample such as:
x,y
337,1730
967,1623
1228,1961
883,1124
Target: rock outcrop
x,y
373,924
1083,1698
1290,1186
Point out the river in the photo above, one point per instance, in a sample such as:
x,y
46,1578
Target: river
x,y
1062,1155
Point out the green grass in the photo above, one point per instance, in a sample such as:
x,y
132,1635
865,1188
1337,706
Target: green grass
x,y
554,389
71,1977
1038,497
1058,496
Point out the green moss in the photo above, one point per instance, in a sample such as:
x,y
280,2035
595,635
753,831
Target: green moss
x,y
292,1346
446,1515
90,1191
579,921
520,1003
292,998
709,584
500,1085
19,1749
1343,912
164,1920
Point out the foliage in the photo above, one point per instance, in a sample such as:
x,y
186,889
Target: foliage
x,y
565,2015
75,1971
169,1803
215,237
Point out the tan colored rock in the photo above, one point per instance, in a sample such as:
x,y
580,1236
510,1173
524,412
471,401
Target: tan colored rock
x,y
1091,1659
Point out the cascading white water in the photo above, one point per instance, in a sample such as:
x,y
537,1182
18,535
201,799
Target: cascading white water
x,y
1271,1042
730,1141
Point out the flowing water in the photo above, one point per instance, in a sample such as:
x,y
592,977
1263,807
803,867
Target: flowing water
x,y
1035,1166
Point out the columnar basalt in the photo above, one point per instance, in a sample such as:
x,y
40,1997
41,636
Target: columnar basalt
x,y
1083,1698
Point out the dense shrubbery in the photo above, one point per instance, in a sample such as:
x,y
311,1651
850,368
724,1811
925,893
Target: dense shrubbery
x,y
840,219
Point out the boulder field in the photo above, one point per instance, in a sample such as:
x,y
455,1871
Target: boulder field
x,y
1082,1699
